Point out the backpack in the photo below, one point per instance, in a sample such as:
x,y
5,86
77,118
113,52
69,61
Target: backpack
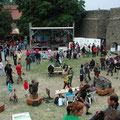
x,y
56,100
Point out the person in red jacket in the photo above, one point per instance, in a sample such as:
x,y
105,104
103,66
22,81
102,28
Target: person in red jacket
x,y
95,50
27,53
25,87
19,72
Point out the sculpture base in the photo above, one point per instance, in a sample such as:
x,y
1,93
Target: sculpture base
x,y
104,92
34,102
2,107
34,96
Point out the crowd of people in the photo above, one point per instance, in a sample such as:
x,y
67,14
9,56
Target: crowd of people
x,y
75,109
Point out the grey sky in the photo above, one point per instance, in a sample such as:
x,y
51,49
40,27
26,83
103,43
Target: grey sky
x,y
102,4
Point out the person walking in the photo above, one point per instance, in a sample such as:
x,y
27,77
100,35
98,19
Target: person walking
x,y
117,66
5,53
66,81
81,75
19,56
81,95
32,54
71,73
9,72
38,57
19,72
96,71
1,69
87,72
28,62
110,66
15,58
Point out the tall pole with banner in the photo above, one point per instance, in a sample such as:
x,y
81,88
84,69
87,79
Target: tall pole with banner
x,y
73,31
30,33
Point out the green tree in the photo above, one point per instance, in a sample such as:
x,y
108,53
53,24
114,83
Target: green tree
x,y
5,23
49,13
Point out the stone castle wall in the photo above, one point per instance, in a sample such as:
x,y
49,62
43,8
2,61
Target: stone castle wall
x,y
113,28
103,24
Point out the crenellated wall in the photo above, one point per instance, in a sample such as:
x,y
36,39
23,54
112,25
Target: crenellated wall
x,y
103,24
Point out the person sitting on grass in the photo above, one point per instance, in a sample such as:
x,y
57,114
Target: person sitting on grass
x,y
73,111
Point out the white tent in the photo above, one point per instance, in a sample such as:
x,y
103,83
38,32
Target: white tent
x,y
87,41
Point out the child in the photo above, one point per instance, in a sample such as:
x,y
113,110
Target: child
x,y
15,98
66,81
10,90
25,87
70,72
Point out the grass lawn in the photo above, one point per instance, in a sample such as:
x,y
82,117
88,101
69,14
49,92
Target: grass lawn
x,y
48,111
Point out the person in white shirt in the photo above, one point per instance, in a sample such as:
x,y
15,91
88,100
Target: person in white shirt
x,y
1,69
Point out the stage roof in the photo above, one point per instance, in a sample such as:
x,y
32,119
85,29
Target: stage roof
x,y
51,28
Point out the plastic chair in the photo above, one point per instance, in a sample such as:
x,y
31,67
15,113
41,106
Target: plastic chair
x,y
70,98
93,95
90,96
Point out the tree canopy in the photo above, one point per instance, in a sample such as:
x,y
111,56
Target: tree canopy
x,y
49,13
5,23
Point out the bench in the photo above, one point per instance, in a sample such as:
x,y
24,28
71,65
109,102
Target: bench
x,y
57,67
59,72
56,72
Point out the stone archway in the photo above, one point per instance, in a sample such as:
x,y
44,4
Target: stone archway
x,y
114,46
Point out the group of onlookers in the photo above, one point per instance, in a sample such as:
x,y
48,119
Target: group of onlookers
x,y
108,63
75,109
